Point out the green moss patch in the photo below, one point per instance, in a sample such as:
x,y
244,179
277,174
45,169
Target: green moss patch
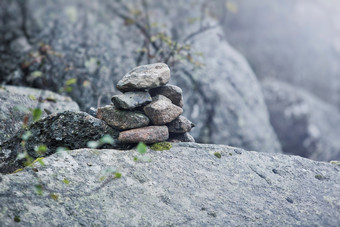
x,y
161,146
218,154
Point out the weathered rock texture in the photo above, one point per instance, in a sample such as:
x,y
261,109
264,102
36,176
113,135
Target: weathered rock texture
x,y
150,134
305,125
145,77
131,100
174,93
293,41
68,129
92,42
122,119
16,102
161,111
180,125
186,186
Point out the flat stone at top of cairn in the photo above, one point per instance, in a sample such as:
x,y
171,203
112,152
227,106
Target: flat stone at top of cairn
x,y
131,100
172,92
150,134
122,119
162,111
145,77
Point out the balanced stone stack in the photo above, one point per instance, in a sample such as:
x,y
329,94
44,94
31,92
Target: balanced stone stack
x,y
149,110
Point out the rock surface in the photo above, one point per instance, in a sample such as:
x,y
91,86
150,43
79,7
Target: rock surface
x,y
122,119
186,186
131,100
305,125
16,102
89,41
180,125
172,92
145,77
293,41
161,112
181,137
150,134
67,129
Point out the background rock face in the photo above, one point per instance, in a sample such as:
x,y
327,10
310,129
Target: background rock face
x,y
16,101
187,185
294,41
305,125
92,42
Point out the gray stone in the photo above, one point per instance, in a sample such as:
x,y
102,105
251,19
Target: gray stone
x,y
145,77
305,125
181,137
131,100
180,125
185,186
150,134
17,103
160,97
122,119
161,112
71,130
172,92
96,45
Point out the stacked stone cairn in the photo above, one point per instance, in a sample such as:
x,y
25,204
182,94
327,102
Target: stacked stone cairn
x,y
149,110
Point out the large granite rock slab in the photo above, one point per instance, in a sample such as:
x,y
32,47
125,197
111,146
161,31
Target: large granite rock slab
x,y
145,77
305,125
122,119
185,186
69,130
16,102
90,41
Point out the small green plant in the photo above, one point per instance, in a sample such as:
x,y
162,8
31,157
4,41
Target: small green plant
x,y
54,196
39,189
106,139
218,154
66,181
16,218
141,149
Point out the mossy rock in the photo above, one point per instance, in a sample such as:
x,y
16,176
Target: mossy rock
x,y
161,146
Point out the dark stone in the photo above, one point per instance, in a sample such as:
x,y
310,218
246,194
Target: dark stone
x,y
131,100
93,112
16,104
180,125
122,119
305,125
181,137
184,186
150,134
145,77
161,112
172,92
71,130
